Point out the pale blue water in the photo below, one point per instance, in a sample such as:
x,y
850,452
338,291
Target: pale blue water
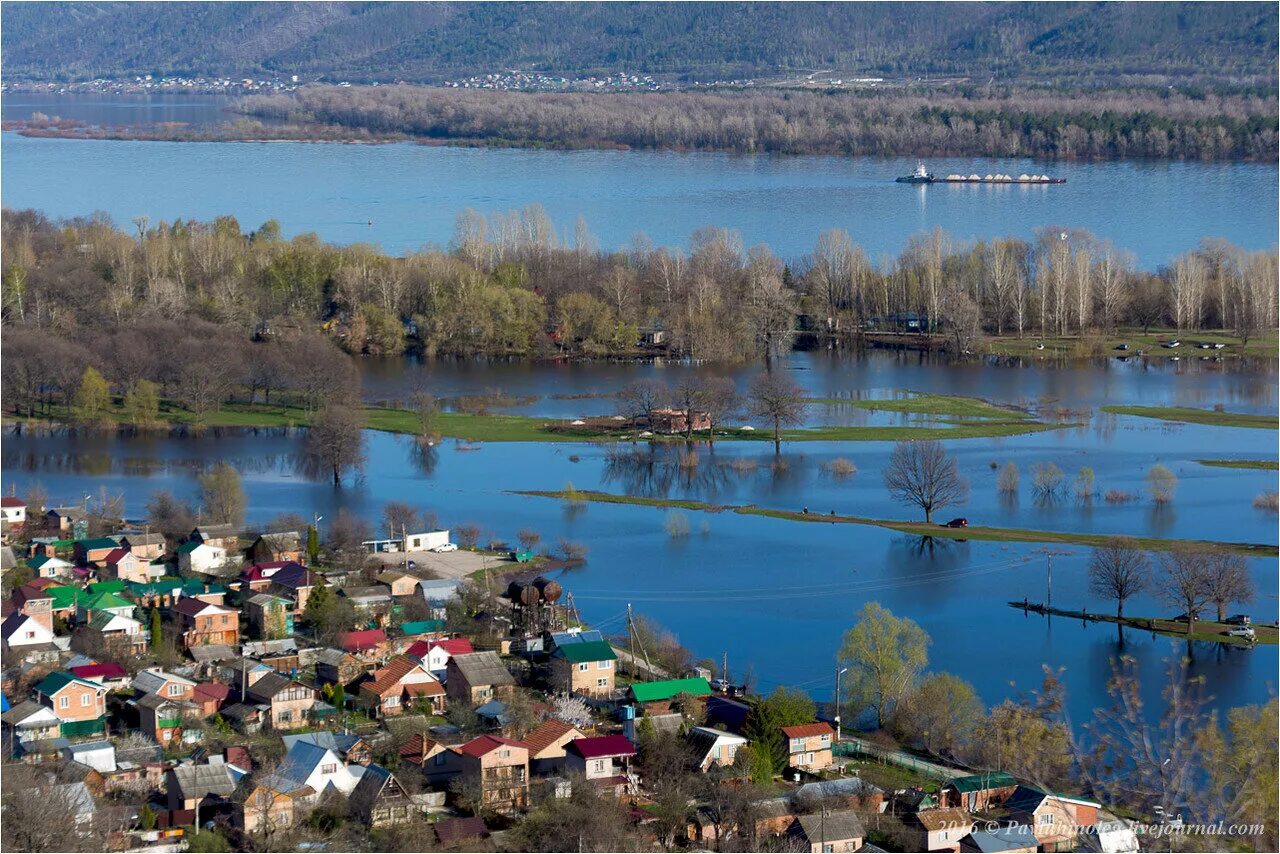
x,y
413,193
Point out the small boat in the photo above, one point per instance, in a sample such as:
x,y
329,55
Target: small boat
x,y
920,176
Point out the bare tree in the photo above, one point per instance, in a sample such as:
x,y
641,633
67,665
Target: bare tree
x,y
718,397
1186,582
1119,570
924,475
399,518
639,399
335,442
778,399
1227,580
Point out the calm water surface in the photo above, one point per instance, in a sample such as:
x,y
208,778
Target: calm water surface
x,y
413,193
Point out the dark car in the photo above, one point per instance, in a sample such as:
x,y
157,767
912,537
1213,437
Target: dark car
x,y
958,522
1122,347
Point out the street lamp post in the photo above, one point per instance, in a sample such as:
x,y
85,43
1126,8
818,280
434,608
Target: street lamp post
x,y
839,672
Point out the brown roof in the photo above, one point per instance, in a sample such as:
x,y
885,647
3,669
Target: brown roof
x,y
807,730
951,819
389,677
546,734
418,746
452,831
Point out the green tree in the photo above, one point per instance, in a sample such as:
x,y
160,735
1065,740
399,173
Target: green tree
x,y
92,398
222,494
146,817
313,544
142,403
1241,768
791,707
157,633
942,715
763,732
885,655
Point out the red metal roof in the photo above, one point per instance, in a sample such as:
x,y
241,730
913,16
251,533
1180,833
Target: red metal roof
x,y
11,501
484,744
115,555
418,650
603,745
807,730
212,691
453,646
110,670
359,641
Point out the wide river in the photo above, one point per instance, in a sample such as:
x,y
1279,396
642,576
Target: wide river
x,y
775,595
405,196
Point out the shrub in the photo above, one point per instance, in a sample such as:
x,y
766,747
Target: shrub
x,y
1007,480
1084,483
1119,496
677,524
1268,501
841,467
1046,479
1161,483
572,550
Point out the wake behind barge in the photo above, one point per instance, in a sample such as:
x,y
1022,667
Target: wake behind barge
x,y
923,176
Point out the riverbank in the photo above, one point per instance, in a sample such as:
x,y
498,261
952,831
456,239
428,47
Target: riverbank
x,y
1211,417
474,427
923,529
1264,465
1206,630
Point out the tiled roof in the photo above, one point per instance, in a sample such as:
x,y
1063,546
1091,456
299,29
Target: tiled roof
x,y
602,745
418,746
546,734
949,819
12,501
116,555
453,646
807,730
390,676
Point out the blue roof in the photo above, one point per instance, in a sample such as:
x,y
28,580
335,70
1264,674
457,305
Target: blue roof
x,y
1011,837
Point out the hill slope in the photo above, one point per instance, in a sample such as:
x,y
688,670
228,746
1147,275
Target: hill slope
x,y
432,41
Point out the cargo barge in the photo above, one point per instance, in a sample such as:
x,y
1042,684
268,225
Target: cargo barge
x,y
923,176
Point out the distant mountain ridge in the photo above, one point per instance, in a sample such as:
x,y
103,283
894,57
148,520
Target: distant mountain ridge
x,y
429,42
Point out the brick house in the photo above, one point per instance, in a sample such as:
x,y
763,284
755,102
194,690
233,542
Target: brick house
x,y
280,546
291,702
146,546
270,617
604,761
1054,819
547,745
940,829
94,550
80,705
809,746
978,792
201,623
497,769
584,668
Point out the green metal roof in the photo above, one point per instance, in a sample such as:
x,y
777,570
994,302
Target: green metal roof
x,y
56,681
161,587
587,651
113,586
65,596
649,692
106,600
98,543
979,782
421,627
189,546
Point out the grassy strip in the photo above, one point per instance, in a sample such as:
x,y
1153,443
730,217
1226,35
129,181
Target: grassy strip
x,y
1006,535
1150,343
1206,630
1267,465
1196,416
526,428
933,404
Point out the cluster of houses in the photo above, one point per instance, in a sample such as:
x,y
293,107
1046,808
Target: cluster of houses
x,y
370,717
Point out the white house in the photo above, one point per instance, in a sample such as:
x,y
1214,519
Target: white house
x,y
714,747
307,764
195,556
46,566
99,755
13,511
22,633
425,541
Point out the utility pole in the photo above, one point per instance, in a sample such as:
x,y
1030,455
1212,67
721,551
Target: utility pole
x,y
724,670
839,672
1048,591
631,641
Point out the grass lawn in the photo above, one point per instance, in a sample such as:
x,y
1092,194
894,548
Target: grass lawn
x,y
889,777
978,532
1266,465
1196,416
934,404
1076,346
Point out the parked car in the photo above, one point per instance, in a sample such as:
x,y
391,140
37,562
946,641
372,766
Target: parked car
x,y
1238,620
445,547
1122,346
412,564
1174,343
958,522
1246,632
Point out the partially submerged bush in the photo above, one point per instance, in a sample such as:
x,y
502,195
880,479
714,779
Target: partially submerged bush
x,y
1268,501
1161,484
677,524
841,467
1119,496
1007,480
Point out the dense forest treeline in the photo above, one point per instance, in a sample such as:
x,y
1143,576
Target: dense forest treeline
x,y
206,311
999,123
428,42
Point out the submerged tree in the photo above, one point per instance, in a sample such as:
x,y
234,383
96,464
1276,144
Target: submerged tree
x,y
1119,570
923,474
335,443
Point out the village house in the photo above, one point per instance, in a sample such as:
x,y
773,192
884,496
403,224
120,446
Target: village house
x,y
478,677
273,547
839,831
604,761
259,808
1054,819
294,581
209,698
497,769
672,421
127,566
978,792
200,623
372,598
199,557
403,682
368,645
435,654
144,545
13,512
105,601
350,747
219,536
1011,838
35,603
160,718
27,723
23,634
108,674
108,630
584,668
547,743
290,702
438,763
809,746
336,667
307,765
398,583
270,617
153,680
64,518
714,748
50,566
939,829
80,705
657,697
199,787
93,550
379,799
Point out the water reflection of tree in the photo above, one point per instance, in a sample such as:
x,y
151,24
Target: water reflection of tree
x,y
657,470
934,552
424,456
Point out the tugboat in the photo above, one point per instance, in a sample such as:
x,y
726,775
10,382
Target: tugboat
x,y
920,176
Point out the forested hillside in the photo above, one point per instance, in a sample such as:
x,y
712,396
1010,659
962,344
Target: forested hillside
x,y
432,41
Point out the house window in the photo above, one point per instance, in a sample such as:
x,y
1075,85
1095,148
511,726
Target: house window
x,y
439,759
1046,819
503,754
286,717
30,635
797,745
605,665
84,699
175,690
599,765
826,740
602,682
64,702
582,668
225,619
330,768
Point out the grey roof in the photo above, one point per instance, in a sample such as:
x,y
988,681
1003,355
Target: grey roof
x,y
376,593
831,826
148,682
268,686
19,713
482,668
845,787
439,589
1010,837
197,781
211,652
270,647
154,702
337,742
331,656
239,711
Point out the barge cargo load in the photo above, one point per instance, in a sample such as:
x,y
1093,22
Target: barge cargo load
x,y
923,176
